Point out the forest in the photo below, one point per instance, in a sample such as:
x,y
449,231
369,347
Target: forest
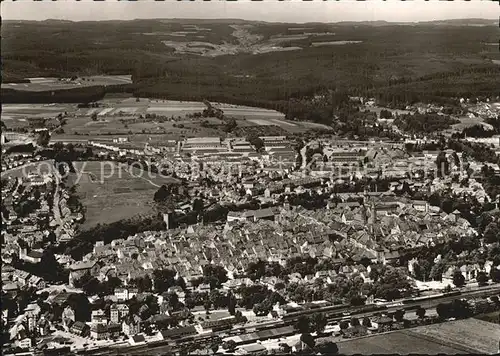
x,y
397,65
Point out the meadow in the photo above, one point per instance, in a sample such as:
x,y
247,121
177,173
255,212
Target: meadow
x,y
52,83
398,342
121,116
110,193
480,336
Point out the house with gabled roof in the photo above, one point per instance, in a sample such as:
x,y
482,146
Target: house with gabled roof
x,y
80,328
79,269
131,325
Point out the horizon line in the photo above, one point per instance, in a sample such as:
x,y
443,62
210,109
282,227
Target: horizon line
x,y
260,21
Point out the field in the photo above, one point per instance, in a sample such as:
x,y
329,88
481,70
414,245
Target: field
x,y
493,317
43,84
245,63
455,337
120,116
110,194
398,342
334,43
480,336
13,111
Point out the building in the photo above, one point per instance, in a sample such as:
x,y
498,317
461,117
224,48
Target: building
x,y
252,215
218,320
99,317
176,333
138,340
80,328
99,332
118,312
131,325
202,143
33,256
274,140
24,343
114,330
123,294
252,349
68,316
264,214
78,270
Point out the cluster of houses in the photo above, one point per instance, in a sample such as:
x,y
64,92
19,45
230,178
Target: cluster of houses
x,y
13,279
381,227
382,230
18,160
49,218
32,227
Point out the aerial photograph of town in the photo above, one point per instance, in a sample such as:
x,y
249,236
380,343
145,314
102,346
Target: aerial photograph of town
x,y
251,178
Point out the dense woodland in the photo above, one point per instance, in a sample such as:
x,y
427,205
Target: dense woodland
x,y
398,65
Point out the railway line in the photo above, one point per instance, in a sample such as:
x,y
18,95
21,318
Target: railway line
x,y
333,314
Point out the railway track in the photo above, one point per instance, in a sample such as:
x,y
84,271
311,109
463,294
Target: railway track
x,y
333,314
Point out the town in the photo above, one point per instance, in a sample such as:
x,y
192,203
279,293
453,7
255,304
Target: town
x,y
245,185
265,244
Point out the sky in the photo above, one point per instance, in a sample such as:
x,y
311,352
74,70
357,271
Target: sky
x,y
266,10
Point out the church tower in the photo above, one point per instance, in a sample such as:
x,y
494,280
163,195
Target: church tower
x,y
373,214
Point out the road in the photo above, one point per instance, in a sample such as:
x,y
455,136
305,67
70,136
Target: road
x,y
57,198
162,347
304,158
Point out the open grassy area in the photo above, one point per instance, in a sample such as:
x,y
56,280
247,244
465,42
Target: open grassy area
x,y
121,116
12,111
51,83
477,335
398,342
110,193
493,317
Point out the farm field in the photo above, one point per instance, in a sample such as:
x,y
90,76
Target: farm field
x,y
479,336
334,43
42,84
121,116
110,194
493,317
397,342
14,111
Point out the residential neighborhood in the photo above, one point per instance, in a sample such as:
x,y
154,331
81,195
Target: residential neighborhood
x,y
233,183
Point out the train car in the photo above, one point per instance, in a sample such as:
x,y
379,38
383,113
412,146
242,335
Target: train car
x,y
237,331
370,308
278,324
425,297
453,293
297,314
221,327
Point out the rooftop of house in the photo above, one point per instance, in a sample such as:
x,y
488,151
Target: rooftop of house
x,y
83,265
138,338
203,140
263,213
178,331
